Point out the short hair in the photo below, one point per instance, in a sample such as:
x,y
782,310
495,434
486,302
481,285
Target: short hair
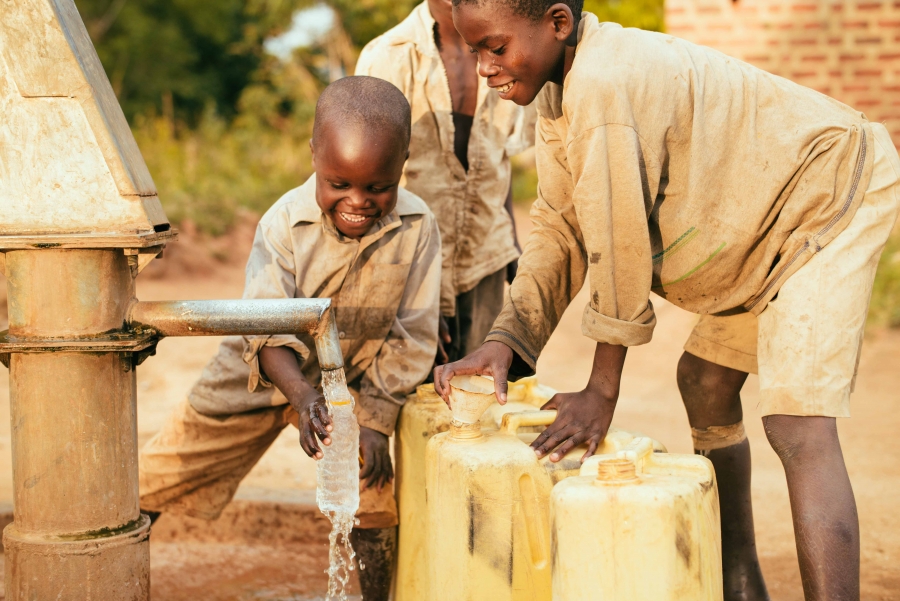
x,y
366,101
532,9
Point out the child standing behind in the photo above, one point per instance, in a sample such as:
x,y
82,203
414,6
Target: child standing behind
x,y
462,138
350,233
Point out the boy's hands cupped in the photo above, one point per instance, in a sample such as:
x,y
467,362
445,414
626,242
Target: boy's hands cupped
x,y
581,417
491,359
314,422
376,467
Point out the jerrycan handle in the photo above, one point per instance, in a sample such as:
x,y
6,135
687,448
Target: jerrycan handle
x,y
523,419
638,451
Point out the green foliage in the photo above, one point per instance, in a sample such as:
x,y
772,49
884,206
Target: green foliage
x,y
644,14
367,19
179,55
884,309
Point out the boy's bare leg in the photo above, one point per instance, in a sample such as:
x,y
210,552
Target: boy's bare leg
x,y
375,550
826,525
711,395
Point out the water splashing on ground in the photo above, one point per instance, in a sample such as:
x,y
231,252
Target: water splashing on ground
x,y
337,488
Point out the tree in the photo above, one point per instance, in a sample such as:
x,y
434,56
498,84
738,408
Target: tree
x,y
645,14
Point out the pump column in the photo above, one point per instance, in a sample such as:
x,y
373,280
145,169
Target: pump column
x,y
78,531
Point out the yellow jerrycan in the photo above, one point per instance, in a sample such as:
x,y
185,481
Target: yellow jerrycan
x,y
638,526
425,414
488,509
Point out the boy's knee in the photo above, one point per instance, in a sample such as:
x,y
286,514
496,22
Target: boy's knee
x,y
710,392
794,437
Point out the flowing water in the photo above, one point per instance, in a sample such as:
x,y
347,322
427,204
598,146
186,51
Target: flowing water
x,y
337,481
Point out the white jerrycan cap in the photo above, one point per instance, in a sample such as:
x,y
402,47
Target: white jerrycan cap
x,y
635,453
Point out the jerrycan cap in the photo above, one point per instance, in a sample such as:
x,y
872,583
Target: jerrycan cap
x,y
616,470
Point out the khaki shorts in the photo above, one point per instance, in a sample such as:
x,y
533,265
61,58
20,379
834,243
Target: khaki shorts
x,y
805,344
196,462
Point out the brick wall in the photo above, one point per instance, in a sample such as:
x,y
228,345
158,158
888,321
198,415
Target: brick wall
x,y
849,50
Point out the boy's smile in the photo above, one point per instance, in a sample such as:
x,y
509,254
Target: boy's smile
x,y
358,172
516,54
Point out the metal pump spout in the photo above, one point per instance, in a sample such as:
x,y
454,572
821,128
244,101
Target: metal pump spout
x,y
244,317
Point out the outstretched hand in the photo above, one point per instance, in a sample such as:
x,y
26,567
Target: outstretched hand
x,y
491,359
376,458
581,417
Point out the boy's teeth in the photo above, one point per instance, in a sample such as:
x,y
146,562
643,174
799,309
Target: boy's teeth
x,y
505,88
353,218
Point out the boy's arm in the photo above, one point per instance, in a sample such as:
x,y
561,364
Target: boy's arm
x,y
277,359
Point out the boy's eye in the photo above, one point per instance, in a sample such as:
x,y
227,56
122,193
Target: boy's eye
x,y
380,190
337,186
498,51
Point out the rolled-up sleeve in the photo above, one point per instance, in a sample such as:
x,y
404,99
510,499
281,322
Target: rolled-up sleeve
x,y
610,191
270,274
407,354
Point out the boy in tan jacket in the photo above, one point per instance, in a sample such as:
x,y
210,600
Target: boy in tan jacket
x,y
463,135
350,233
670,168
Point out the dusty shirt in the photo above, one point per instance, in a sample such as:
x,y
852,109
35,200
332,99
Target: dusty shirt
x,y
669,167
384,288
476,230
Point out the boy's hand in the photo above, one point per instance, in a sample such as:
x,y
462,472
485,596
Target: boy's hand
x,y
444,339
492,359
582,417
314,421
585,416
376,459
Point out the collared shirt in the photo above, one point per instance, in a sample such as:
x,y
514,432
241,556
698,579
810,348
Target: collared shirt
x,y
384,287
476,230
669,167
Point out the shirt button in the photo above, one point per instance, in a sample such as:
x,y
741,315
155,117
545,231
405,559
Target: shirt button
x,y
341,335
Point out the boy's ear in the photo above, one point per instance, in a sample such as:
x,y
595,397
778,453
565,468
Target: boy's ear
x,y
312,150
563,20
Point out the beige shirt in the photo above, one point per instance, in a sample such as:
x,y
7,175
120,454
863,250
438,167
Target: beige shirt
x,y
669,167
476,230
384,288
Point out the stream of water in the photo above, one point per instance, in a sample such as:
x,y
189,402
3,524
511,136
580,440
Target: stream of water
x,y
337,481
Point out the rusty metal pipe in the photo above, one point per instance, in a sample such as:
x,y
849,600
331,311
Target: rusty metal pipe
x,y
244,317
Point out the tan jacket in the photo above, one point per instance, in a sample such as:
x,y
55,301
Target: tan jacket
x,y
385,289
669,167
476,230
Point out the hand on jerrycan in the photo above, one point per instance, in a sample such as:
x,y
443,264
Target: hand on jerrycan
x,y
583,417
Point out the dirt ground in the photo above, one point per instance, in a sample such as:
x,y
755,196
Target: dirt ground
x,y
649,403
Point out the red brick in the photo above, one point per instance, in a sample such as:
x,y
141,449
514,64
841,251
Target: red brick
x,y
804,8
846,58
865,103
869,40
803,74
868,73
835,74
891,89
709,10
816,58
889,56
869,5
892,23
818,25
856,88
804,42
855,24
757,58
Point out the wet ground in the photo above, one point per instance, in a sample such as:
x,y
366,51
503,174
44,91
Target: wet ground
x,y
272,561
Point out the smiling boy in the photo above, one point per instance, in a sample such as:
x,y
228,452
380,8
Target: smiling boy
x,y
350,233
761,205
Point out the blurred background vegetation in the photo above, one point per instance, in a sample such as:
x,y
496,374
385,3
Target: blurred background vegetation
x,y
221,93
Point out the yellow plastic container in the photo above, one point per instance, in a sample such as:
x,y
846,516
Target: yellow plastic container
x,y
424,415
638,526
488,510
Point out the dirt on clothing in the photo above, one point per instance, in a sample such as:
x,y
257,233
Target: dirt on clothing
x,y
650,403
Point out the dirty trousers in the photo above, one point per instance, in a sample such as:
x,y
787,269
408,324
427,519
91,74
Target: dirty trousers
x,y
805,345
195,463
476,311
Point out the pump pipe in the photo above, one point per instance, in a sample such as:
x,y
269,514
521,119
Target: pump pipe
x,y
244,317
